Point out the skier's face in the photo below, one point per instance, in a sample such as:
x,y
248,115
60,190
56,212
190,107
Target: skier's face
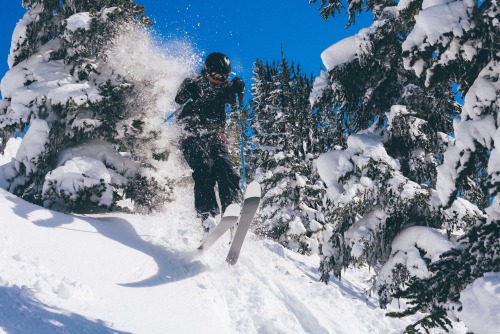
x,y
217,78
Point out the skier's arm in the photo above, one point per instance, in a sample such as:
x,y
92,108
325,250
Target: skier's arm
x,y
188,90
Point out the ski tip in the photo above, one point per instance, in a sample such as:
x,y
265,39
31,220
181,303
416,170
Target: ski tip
x,y
232,210
253,190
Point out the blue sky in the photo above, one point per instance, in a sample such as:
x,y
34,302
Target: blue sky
x,y
244,30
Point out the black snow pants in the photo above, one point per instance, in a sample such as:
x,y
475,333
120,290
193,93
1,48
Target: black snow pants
x,y
209,159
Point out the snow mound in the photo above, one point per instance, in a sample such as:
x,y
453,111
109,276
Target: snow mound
x,y
335,164
439,21
78,21
33,144
340,53
405,250
80,173
10,151
480,304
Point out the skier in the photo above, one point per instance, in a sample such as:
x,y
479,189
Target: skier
x,y
203,142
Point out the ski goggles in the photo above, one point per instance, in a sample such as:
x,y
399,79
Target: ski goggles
x,y
218,76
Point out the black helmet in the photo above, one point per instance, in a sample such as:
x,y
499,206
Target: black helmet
x,y
217,63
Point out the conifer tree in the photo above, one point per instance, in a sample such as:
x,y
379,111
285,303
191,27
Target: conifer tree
x,y
329,129
75,105
381,81
469,55
381,92
420,65
437,295
282,125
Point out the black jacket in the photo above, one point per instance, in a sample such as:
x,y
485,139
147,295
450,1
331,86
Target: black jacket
x,y
206,113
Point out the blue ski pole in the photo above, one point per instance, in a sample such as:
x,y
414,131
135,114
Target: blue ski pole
x,y
242,144
171,115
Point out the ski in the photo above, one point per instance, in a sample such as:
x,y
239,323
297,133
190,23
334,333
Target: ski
x,y
228,220
250,206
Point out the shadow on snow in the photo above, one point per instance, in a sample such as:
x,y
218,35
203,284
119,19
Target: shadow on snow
x,y
21,313
346,287
172,265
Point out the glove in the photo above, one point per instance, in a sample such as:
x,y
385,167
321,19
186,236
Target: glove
x,y
237,85
194,91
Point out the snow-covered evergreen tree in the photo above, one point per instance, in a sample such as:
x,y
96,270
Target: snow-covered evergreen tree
x,y
437,293
421,48
467,47
85,144
291,207
410,126
329,129
371,202
381,81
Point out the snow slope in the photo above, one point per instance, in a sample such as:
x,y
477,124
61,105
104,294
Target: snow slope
x,y
131,273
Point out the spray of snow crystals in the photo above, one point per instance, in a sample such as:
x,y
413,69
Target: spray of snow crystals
x,y
156,68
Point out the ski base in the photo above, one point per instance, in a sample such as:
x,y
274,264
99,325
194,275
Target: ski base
x,y
250,206
228,220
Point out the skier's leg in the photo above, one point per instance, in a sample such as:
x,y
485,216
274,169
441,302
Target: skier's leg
x,y
200,162
226,176
204,194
